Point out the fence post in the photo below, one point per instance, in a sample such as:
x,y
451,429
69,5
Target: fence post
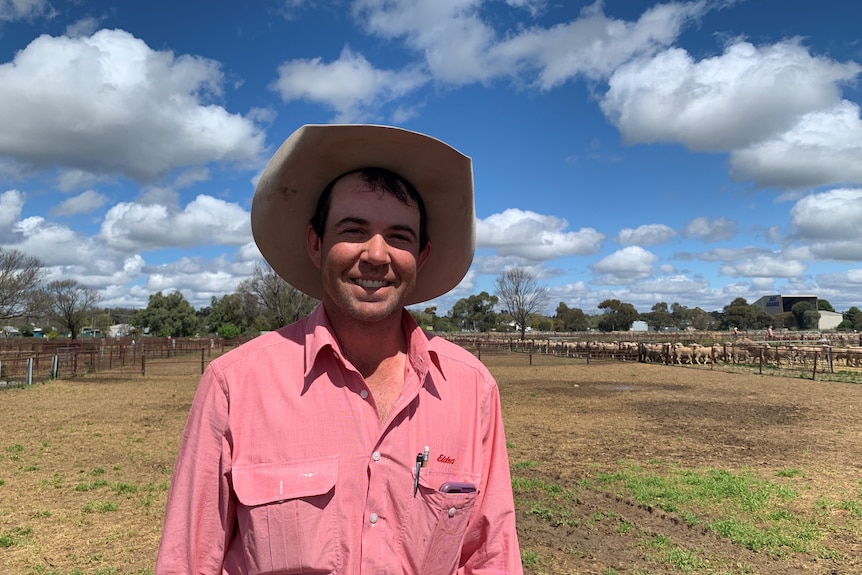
x,y
761,361
814,373
202,361
143,364
29,371
55,367
479,350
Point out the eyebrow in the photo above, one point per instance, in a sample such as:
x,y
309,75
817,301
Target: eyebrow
x,y
363,222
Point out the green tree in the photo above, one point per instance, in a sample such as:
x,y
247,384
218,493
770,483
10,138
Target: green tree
x,y
541,323
229,331
702,320
681,315
168,315
570,319
784,319
521,296
617,315
228,309
824,305
103,322
428,319
852,319
70,304
805,315
744,316
475,312
659,317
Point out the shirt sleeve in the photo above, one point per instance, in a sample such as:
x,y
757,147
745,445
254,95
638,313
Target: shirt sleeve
x,y
200,514
491,542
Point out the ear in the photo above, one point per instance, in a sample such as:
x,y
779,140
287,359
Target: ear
x,y
312,242
423,256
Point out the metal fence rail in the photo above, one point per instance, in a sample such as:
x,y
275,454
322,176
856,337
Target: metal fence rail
x,y
831,359
27,361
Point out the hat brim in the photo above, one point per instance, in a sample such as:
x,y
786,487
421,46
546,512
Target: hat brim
x,y
314,155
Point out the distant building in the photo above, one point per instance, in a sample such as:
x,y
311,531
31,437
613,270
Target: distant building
x,y
829,319
780,303
120,330
10,331
776,304
639,326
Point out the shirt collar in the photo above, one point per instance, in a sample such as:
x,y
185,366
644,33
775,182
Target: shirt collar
x,y
319,337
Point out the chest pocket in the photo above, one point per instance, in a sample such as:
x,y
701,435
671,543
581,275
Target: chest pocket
x,y
287,516
435,526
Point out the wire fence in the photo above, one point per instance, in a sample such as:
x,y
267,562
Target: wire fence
x,y
24,361
27,361
823,359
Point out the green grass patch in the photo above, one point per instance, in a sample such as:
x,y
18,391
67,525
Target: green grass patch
x,y
91,485
14,536
742,507
100,507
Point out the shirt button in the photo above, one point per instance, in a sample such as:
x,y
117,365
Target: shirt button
x,y
373,518
451,512
375,456
363,394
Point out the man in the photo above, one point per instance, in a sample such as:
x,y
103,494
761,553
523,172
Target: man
x,y
351,441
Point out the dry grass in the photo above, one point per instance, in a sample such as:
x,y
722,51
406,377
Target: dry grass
x,y
86,468
85,464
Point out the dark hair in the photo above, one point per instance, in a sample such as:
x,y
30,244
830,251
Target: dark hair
x,y
377,178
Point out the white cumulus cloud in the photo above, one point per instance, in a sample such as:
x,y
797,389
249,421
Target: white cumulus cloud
x,y
821,148
83,203
351,85
710,230
534,236
744,96
109,104
204,221
646,235
625,265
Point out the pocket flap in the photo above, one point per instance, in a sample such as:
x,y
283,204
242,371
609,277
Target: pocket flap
x,y
262,483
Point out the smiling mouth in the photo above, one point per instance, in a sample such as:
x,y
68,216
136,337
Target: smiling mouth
x,y
370,284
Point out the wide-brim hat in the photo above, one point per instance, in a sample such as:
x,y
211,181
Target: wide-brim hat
x,y
314,155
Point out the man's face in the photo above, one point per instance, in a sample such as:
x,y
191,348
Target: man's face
x,y
369,254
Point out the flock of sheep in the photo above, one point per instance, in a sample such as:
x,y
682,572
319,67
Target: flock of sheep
x,y
833,353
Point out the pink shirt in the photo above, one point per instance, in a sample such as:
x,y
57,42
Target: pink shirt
x,y
285,467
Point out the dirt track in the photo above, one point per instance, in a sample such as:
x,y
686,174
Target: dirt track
x,y
578,420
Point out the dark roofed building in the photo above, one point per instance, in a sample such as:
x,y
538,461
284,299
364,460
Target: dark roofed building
x,y
776,304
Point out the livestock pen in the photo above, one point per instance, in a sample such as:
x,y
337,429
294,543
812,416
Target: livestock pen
x,y
29,360
831,357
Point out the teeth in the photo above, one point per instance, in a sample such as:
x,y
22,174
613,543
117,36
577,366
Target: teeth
x,y
371,283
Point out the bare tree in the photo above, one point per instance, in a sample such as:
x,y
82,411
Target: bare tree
x,y
279,301
521,296
70,303
20,279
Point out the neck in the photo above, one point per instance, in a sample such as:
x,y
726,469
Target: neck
x,y
369,344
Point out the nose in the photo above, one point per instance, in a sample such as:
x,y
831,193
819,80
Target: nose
x,y
376,250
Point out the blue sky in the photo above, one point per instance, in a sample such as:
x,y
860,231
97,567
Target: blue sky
x,y
689,152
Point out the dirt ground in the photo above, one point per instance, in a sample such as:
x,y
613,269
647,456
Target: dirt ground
x,y
577,420
85,464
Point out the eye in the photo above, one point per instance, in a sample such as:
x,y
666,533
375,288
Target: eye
x,y
352,232
402,238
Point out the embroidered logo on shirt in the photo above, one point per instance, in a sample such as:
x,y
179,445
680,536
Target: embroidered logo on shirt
x,y
445,459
